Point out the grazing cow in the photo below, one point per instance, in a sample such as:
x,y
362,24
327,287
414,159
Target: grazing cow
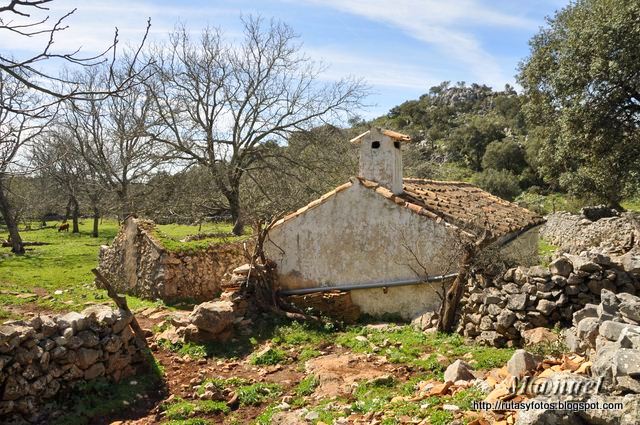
x,y
64,227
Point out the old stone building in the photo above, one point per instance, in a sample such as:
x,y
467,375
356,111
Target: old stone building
x,y
389,239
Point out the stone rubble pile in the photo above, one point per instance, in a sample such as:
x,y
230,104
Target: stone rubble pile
x,y
214,320
498,311
44,356
575,233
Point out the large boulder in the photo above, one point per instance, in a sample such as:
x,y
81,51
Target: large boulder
x,y
213,317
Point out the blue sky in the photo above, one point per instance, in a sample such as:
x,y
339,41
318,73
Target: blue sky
x,y
400,47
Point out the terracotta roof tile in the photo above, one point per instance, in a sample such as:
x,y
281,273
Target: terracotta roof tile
x,y
396,136
469,207
389,133
457,204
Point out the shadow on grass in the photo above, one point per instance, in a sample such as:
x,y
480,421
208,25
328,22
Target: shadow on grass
x,y
102,401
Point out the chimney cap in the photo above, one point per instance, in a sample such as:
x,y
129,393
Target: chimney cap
x,y
389,133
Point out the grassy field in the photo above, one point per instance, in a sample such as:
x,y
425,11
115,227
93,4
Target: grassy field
x,y
58,276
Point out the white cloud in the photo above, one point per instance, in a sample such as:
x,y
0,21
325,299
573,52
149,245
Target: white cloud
x,y
92,25
388,74
441,24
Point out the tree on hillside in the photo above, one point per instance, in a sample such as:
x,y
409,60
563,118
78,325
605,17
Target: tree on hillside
x,y
218,103
582,82
470,140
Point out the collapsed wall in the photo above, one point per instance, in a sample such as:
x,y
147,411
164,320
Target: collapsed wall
x,y
497,311
45,356
575,233
136,263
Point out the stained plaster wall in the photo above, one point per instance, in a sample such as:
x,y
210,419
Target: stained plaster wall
x,y
357,236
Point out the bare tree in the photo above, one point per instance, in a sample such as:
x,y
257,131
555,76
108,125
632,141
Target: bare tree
x,y
16,131
59,161
111,136
217,104
17,19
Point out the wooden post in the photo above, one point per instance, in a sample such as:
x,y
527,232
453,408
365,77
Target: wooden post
x,y
121,302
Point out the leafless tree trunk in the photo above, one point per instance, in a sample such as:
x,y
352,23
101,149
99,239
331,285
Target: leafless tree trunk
x,y
451,302
12,226
219,104
17,131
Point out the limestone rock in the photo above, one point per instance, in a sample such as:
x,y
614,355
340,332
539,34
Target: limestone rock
x,y
583,263
521,363
545,307
458,371
561,266
539,335
213,317
517,302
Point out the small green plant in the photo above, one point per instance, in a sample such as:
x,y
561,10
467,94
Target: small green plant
x,y
272,356
180,409
440,417
264,418
191,421
307,386
258,393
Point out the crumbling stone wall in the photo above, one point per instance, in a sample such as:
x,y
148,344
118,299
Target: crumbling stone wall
x,y
137,264
497,311
575,233
43,357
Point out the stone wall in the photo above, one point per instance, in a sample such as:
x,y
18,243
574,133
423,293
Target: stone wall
x,y
609,335
139,265
497,311
575,233
44,356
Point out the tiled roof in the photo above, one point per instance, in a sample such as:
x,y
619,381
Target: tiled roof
x,y
458,204
469,207
390,133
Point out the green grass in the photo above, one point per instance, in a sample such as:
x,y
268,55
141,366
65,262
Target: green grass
x,y
180,409
169,235
306,386
65,265
272,356
632,204
545,251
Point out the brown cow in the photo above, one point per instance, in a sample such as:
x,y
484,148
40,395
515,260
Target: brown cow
x,y
64,227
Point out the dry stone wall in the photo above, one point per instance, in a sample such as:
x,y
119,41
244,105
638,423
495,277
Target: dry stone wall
x,y
575,233
43,357
137,264
498,311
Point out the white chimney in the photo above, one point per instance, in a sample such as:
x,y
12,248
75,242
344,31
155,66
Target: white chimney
x,y
381,157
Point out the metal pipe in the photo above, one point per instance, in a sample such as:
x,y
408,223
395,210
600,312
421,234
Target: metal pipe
x,y
349,287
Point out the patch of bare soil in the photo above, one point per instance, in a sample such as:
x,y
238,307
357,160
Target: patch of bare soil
x,y
337,373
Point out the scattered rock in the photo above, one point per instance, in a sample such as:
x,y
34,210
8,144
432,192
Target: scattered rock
x,y
458,371
521,363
